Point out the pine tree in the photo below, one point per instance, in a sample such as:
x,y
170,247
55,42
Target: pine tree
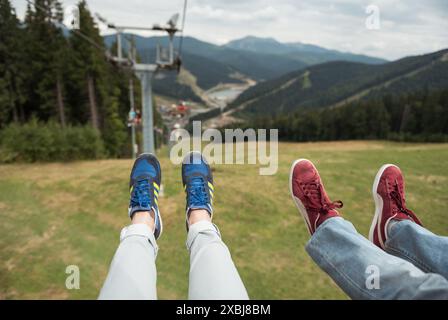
x,y
114,130
88,67
99,89
45,53
11,65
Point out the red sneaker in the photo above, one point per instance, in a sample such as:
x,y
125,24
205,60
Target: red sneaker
x,y
389,196
309,195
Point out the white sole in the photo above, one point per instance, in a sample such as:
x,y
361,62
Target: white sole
x,y
296,200
161,225
374,227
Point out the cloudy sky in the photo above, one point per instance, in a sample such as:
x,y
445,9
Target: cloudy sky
x,y
407,27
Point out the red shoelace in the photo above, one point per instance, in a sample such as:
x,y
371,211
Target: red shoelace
x,y
398,197
313,192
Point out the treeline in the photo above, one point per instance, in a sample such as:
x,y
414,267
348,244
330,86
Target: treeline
x,y
329,83
55,78
418,117
203,116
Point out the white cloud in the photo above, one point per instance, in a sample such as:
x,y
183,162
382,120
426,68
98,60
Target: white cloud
x,y
407,26
208,12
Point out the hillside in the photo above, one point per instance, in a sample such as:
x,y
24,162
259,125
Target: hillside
x,y
306,53
255,65
72,213
205,74
212,64
336,83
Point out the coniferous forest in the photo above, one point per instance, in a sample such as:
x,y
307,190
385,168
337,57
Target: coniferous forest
x,y
416,117
60,98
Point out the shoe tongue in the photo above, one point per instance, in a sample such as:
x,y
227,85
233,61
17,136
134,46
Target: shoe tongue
x,y
310,176
197,181
141,178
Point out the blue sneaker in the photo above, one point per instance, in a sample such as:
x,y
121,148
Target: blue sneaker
x,y
144,187
198,183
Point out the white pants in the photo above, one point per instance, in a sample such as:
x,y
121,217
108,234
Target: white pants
x,y
133,275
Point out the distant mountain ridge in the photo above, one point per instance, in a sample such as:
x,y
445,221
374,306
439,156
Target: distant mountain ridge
x,y
258,66
271,45
307,53
335,83
212,64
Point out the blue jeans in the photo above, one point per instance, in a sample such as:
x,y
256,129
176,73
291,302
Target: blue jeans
x,y
414,265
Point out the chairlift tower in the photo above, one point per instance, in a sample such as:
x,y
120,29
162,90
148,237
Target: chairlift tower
x,y
145,72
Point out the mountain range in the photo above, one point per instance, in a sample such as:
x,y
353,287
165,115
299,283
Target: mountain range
x,y
250,57
290,76
332,84
306,53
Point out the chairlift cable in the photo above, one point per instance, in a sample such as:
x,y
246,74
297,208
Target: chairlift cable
x,y
77,32
179,51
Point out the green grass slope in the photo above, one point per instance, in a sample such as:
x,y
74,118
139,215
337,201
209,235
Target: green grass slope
x,y
54,215
335,83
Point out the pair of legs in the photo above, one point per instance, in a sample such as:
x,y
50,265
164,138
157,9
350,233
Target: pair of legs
x,y
132,274
401,259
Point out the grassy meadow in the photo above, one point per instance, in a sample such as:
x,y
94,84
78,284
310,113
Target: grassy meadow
x,y
58,214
